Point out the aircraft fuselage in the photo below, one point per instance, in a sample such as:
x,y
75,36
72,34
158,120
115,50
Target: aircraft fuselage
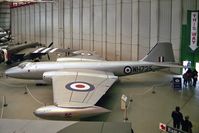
x,y
119,68
58,72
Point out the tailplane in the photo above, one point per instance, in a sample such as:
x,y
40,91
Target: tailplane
x,y
161,52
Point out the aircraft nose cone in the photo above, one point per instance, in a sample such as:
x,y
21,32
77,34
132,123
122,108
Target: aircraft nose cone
x,y
7,72
37,112
10,72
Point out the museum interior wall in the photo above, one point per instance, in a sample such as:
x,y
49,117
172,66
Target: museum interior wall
x,y
115,29
5,16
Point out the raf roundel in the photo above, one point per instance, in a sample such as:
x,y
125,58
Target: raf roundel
x,y
127,69
80,86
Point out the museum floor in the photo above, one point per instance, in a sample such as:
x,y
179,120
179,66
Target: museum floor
x,y
152,94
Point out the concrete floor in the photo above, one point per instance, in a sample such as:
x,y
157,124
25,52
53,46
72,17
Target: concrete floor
x,y
145,112
41,126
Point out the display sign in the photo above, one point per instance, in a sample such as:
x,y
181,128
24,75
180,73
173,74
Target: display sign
x,y
165,128
177,83
123,102
124,98
194,31
174,130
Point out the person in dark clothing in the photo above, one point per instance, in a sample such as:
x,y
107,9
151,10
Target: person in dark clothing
x,y
194,77
187,125
177,117
189,77
185,78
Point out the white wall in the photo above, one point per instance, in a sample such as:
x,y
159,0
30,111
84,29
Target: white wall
x,y
5,15
115,29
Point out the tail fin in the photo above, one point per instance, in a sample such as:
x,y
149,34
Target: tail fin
x,y
50,44
161,52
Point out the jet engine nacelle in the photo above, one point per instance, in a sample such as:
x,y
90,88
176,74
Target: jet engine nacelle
x,y
60,113
47,76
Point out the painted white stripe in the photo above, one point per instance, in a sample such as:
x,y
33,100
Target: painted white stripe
x,y
46,50
53,50
37,51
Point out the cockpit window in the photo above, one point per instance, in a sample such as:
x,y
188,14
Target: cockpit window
x,y
24,64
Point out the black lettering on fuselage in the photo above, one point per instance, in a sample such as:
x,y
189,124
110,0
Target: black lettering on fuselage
x,y
68,115
140,69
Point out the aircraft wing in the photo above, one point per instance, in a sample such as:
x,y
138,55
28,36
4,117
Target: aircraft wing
x,y
68,54
82,55
33,53
45,50
79,88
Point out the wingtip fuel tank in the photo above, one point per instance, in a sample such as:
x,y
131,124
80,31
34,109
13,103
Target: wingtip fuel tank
x,y
59,113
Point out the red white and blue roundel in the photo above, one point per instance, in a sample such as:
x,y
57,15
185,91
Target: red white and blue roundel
x,y
80,86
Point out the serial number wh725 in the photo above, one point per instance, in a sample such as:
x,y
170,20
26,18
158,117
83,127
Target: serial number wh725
x,y
137,69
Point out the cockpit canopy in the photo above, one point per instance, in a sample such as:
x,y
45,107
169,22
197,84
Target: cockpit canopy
x,y
24,64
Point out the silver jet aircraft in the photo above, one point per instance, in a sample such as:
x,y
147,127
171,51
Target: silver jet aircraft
x,y
80,81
